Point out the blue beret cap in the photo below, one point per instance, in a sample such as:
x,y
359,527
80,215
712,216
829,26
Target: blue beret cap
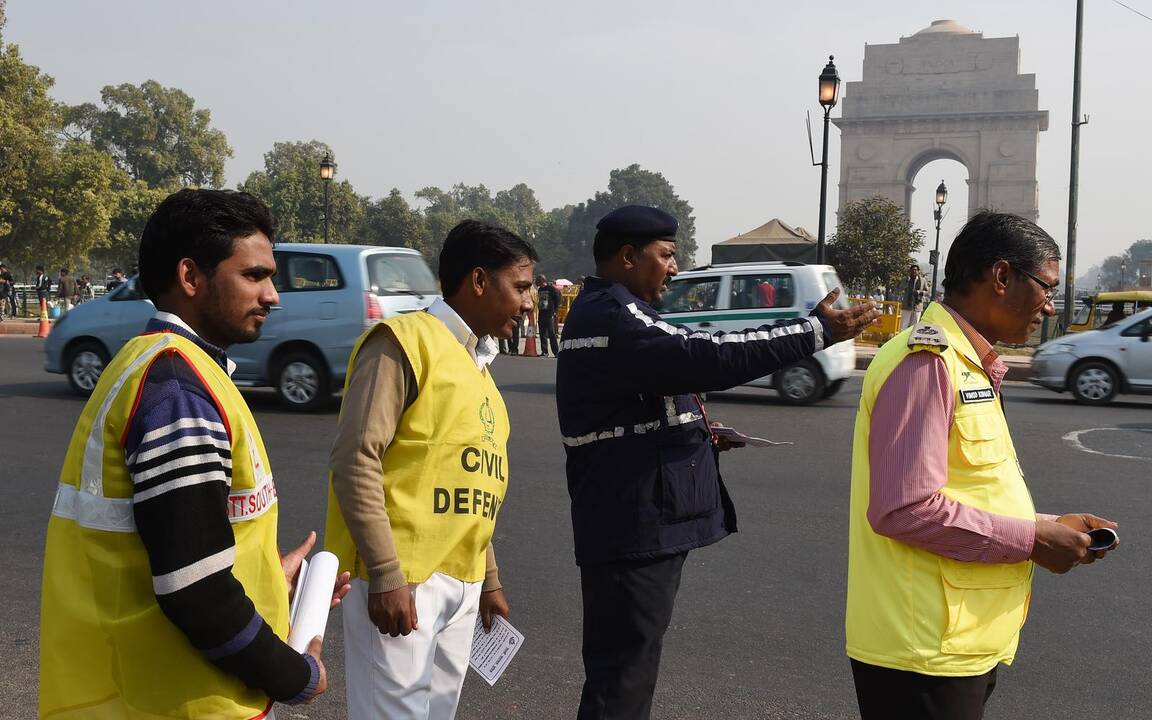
x,y
638,221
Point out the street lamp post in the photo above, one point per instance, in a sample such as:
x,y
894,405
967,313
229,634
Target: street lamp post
x,y
1123,267
829,93
327,170
934,257
1099,277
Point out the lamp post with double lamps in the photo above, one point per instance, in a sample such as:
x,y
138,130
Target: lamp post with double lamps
x,y
327,170
934,257
829,94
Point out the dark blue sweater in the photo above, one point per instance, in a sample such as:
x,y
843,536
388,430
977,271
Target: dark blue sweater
x,y
642,472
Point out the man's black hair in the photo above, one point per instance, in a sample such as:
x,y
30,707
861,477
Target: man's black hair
x,y
988,237
473,244
116,270
39,268
201,225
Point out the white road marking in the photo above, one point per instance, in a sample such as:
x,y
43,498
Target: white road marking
x,y
1073,439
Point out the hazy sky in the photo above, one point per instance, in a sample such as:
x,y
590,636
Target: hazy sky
x,y
557,94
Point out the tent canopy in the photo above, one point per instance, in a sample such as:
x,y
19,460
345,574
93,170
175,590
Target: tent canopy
x,y
774,240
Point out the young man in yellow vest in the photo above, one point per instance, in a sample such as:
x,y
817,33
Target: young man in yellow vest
x,y
942,532
164,593
419,471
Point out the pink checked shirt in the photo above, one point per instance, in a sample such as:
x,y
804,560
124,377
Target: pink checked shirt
x,y
908,456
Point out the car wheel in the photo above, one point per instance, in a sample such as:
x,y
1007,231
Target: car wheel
x,y
1094,383
85,363
801,383
302,381
833,388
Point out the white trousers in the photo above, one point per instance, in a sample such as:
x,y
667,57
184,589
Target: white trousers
x,y
418,676
910,317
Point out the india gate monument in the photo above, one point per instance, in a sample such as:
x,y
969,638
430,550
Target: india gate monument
x,y
946,92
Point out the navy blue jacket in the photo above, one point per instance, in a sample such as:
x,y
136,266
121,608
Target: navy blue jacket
x,y
642,472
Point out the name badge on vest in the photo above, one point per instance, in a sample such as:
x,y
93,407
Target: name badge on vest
x,y
978,395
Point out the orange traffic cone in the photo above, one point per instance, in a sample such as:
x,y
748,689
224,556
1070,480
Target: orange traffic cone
x,y
530,341
45,326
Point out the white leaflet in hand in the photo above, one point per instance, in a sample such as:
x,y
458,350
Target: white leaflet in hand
x,y
736,436
493,651
315,599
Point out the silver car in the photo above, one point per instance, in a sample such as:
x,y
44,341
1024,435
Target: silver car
x,y
329,294
1097,364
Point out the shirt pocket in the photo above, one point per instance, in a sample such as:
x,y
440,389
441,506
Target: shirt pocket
x,y
987,605
982,439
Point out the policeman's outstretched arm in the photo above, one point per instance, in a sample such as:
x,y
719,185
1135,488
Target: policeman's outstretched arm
x,y
845,324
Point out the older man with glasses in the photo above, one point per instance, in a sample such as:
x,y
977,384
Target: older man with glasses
x,y
943,536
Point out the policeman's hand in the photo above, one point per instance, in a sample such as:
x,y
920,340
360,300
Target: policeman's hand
x,y
1058,547
341,589
1083,522
393,612
723,444
845,324
492,602
314,650
291,561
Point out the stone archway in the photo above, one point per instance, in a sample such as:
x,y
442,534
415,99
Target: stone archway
x,y
946,92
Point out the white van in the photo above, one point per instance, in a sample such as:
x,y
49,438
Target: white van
x,y
747,295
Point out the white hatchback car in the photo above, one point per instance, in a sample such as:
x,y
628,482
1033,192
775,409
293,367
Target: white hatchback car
x,y
741,296
1097,364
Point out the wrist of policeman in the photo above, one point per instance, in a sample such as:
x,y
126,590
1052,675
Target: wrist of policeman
x,y
309,690
386,580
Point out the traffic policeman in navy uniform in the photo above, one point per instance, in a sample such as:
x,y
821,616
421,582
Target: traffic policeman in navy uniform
x,y
642,465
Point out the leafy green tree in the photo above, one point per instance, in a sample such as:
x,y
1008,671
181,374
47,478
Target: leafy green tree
x,y
392,221
56,195
629,186
136,203
1112,278
156,134
291,186
873,244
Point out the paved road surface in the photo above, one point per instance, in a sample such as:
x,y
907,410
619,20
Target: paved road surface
x,y
758,630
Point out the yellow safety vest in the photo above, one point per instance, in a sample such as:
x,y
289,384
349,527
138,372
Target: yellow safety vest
x,y
910,609
107,651
446,470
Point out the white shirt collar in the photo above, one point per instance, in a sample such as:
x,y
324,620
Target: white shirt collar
x,y
483,350
177,321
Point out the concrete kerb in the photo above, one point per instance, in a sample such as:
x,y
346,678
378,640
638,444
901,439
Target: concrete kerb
x,y
19,326
1019,366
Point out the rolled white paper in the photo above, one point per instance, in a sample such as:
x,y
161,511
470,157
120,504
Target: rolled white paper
x,y
314,601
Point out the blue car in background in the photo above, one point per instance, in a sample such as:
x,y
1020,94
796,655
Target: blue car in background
x,y
329,294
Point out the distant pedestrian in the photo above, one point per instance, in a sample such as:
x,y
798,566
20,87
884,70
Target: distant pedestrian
x,y
7,291
511,346
66,290
915,295
549,300
116,281
84,291
42,285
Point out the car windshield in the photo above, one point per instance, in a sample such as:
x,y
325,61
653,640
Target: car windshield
x,y
400,275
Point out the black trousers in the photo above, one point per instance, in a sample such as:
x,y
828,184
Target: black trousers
x,y
512,347
548,334
627,608
886,694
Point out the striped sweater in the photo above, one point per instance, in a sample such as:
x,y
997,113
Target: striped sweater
x,y
180,460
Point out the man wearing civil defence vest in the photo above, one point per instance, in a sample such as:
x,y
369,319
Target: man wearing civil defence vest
x,y
419,472
943,536
164,593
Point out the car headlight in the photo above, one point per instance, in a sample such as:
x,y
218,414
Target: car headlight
x,y
1056,348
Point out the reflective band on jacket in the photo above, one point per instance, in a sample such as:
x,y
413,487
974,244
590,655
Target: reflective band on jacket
x,y
910,609
106,648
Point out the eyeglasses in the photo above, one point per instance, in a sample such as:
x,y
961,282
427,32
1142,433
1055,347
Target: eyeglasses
x,y
1049,290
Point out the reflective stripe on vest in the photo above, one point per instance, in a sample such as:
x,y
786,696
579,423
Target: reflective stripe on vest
x,y
910,609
